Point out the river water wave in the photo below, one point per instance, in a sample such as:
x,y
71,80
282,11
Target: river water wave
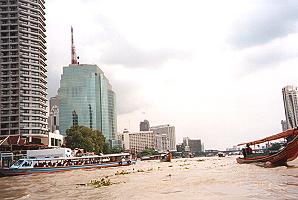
x,y
191,178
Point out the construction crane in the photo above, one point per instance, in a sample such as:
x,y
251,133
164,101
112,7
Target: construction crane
x,y
74,58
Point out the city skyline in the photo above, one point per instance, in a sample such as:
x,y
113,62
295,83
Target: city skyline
x,y
215,77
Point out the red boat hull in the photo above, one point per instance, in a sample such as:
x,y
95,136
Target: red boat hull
x,y
289,153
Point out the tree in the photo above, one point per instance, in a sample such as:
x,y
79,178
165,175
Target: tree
x,y
148,152
86,138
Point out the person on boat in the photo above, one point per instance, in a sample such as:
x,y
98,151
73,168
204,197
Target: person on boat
x,y
244,152
248,149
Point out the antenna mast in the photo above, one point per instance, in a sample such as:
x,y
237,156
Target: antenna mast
x,y
74,60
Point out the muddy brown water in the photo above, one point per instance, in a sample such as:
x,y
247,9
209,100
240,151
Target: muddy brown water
x,y
192,178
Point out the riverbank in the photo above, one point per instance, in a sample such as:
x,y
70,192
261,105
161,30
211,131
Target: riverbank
x,y
193,178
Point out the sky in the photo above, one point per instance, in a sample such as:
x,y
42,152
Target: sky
x,y
214,69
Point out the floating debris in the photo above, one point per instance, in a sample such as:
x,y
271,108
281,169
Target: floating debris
x,y
123,172
170,166
98,183
184,164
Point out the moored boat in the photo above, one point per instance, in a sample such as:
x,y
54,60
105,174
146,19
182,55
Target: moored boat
x,y
273,157
166,157
221,154
49,165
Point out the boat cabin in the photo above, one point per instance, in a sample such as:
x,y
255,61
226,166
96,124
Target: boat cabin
x,y
27,163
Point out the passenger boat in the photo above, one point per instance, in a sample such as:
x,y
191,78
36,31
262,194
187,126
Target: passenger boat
x,y
49,165
287,152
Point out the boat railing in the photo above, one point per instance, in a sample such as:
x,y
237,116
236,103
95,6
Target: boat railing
x,y
71,161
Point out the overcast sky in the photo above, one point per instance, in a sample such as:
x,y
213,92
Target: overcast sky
x,y
213,69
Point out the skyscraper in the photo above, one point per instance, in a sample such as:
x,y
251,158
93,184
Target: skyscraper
x,y
85,91
291,105
23,70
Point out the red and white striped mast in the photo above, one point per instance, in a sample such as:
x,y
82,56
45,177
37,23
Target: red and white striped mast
x,y
74,58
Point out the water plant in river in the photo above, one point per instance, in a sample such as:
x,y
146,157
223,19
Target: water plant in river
x,y
100,183
123,172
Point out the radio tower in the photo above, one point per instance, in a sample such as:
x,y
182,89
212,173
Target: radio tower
x,y
74,60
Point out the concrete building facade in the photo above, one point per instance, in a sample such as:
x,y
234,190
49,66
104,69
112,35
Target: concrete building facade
x,y
192,145
23,72
144,126
53,119
169,131
141,140
284,125
290,105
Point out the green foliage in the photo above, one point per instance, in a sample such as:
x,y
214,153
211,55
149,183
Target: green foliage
x,y
115,150
148,152
86,138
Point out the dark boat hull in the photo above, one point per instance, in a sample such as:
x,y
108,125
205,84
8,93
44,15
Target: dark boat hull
x,y
39,170
289,153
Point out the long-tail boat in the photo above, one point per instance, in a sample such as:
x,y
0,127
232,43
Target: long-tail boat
x,y
287,152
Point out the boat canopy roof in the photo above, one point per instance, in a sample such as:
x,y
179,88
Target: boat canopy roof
x,y
77,158
284,134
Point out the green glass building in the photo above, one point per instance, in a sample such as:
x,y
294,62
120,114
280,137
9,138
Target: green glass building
x,y
86,98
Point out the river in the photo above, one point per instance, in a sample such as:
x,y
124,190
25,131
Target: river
x,y
191,178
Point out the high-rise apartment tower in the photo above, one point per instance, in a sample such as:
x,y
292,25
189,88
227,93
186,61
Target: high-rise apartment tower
x,y
23,70
290,93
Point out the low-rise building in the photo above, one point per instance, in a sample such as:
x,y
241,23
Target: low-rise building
x,y
193,146
139,141
142,140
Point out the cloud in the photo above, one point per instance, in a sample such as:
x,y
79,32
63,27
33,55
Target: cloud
x,y
123,53
127,98
115,49
271,54
264,22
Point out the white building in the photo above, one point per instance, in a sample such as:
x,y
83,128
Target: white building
x,y
291,105
55,139
162,142
169,131
141,140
